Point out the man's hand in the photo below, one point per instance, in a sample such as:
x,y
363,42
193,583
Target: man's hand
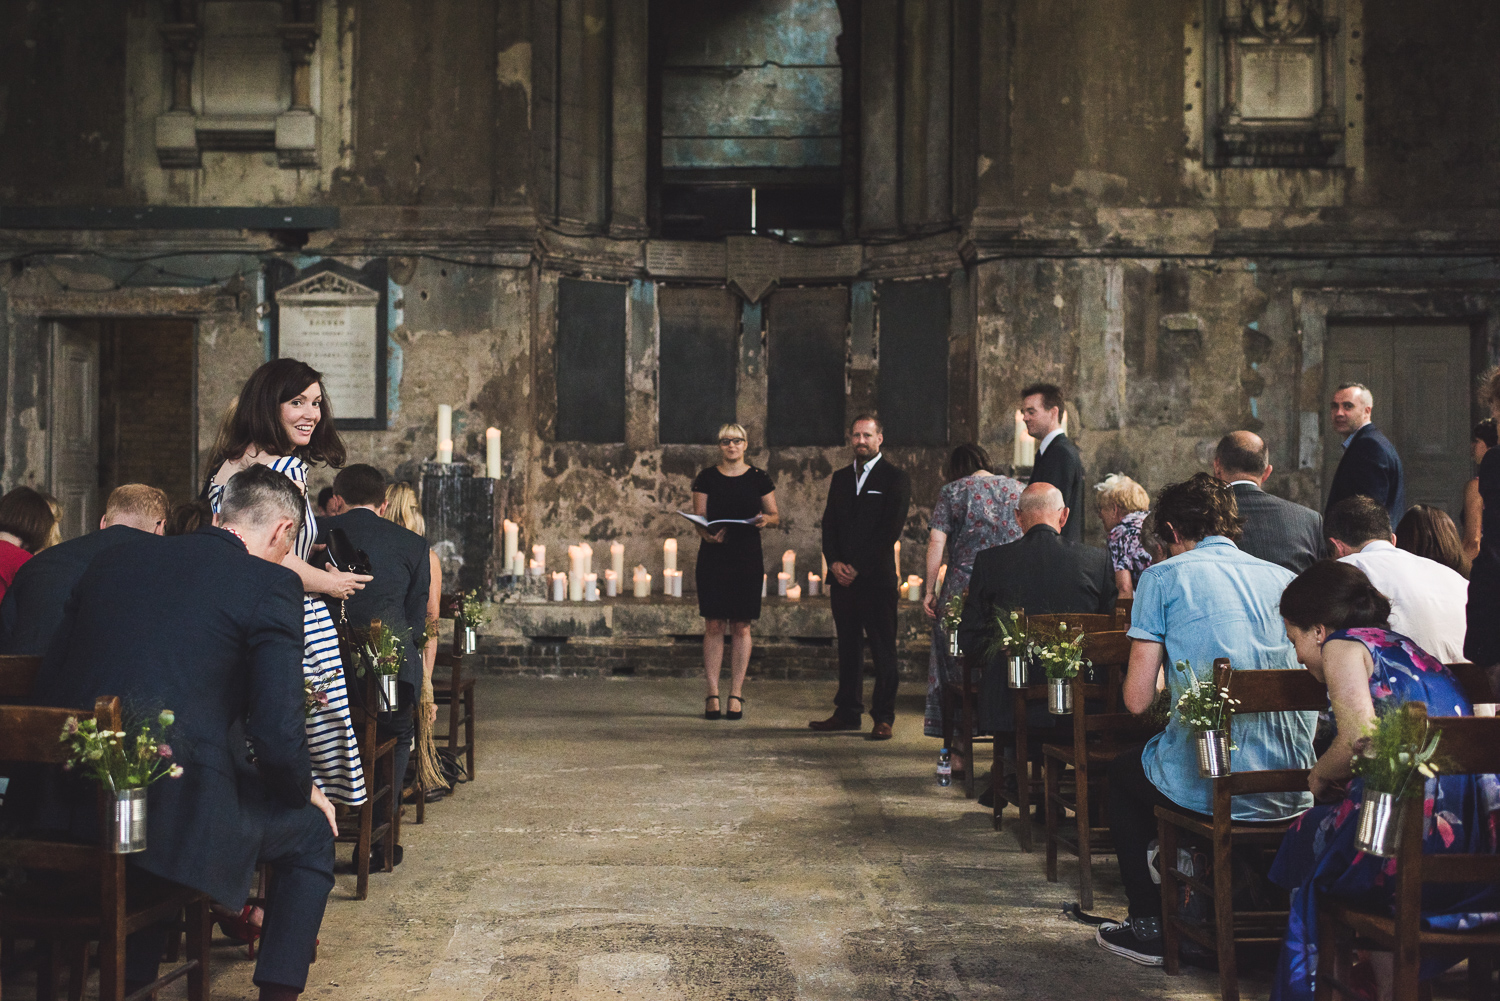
x,y
929,605
843,573
321,802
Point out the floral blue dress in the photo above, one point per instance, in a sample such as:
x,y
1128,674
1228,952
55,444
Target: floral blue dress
x,y
1318,852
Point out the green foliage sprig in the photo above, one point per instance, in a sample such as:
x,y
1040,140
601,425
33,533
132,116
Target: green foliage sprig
x,y
1007,635
1396,749
1203,706
473,611
953,612
1061,652
118,760
385,650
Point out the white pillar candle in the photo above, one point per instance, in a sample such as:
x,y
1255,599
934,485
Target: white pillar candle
x,y
1024,452
492,453
669,554
677,585
642,583
617,559
902,589
611,584
536,568
559,586
518,561
672,585
512,542
813,580
942,576
823,574
539,555
794,593
763,579
590,587
782,582
575,586
789,563
913,588
445,433
586,553
898,559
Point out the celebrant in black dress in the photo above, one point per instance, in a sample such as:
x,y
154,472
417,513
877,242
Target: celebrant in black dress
x,y
730,566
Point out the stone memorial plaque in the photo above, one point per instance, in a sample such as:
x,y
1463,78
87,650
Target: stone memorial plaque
x,y
754,265
329,322
682,259
1279,81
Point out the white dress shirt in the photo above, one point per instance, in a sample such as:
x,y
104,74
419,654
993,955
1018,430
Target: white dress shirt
x,y
1428,600
1042,445
860,474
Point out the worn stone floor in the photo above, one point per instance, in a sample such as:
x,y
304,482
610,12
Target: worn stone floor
x,y
615,845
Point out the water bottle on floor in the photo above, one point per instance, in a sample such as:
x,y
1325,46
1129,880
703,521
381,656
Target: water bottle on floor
x,y
944,768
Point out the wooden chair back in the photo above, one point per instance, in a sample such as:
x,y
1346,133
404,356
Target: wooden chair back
x,y
1274,691
1123,608
1474,682
18,676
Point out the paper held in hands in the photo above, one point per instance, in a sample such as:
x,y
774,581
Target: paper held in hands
x,y
705,523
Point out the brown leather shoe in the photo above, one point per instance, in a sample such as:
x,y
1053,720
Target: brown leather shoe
x,y
835,722
881,731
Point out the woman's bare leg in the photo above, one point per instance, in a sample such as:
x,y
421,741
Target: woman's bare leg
x,y
739,657
713,654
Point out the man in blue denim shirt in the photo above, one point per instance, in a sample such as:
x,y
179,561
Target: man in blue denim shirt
x,y
1209,600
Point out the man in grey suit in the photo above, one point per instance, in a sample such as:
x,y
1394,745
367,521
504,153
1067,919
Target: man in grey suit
x,y
1276,530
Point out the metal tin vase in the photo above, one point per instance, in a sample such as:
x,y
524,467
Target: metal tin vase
x,y
953,650
1213,754
129,833
1059,696
471,639
1015,670
388,692
1379,830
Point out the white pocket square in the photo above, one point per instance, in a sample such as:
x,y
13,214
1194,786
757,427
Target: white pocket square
x,y
872,491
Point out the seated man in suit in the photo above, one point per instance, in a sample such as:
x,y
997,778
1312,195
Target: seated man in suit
x,y
209,625
1276,530
33,605
1042,573
397,596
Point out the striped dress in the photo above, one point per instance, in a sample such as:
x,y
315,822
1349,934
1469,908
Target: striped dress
x,y
330,733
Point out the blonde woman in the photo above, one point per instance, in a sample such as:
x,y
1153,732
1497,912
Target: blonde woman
x,y
730,564
1123,504
401,506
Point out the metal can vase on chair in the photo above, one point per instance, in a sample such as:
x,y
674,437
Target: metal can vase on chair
x,y
1213,754
129,834
1379,830
1015,670
1059,696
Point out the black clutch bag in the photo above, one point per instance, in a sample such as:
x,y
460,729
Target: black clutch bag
x,y
345,555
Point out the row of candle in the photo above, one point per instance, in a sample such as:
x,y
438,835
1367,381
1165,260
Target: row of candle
x,y
445,444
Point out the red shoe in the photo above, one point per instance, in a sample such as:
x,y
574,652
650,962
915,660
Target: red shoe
x,y
239,928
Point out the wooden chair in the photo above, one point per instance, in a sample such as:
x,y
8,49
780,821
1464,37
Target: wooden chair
x,y
361,825
1029,778
961,737
454,689
1257,692
1471,746
1123,607
17,675
100,907
1098,738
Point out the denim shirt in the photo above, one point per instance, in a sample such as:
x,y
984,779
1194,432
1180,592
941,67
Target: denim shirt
x,y
1216,601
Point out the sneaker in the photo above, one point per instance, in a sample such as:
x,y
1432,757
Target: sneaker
x,y
1138,941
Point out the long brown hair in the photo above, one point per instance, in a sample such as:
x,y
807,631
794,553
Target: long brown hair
x,y
255,420
1428,531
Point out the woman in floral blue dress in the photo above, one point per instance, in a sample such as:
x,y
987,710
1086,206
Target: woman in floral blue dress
x,y
1337,620
975,509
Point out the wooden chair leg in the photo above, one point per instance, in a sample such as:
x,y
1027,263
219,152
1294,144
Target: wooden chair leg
x,y
78,969
395,834
1330,956
1481,976
966,724
1229,977
1051,767
49,964
997,781
1171,938
1085,832
469,724
1023,780
199,933
362,847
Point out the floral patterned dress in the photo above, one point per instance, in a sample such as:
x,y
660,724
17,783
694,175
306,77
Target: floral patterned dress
x,y
1318,852
976,512
1125,550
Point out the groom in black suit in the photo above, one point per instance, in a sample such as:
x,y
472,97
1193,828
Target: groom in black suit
x,y
208,625
1057,460
867,505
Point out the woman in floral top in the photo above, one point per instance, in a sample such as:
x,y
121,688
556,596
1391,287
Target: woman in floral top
x,y
975,509
1122,508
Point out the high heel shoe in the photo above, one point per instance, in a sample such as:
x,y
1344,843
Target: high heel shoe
x,y
239,928
714,712
735,713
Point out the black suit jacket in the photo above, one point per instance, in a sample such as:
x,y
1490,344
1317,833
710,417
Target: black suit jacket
x,y
1370,467
1040,572
403,574
1061,466
862,531
33,605
197,625
1278,531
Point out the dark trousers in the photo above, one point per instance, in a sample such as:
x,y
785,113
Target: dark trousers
x,y
401,724
865,611
1133,800
298,847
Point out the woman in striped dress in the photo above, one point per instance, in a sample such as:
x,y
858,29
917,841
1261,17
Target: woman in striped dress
x,y
282,420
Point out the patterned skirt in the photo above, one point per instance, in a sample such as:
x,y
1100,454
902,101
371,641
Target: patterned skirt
x,y
330,732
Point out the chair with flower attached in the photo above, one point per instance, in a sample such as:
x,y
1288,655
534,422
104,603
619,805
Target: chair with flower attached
x,y
377,820
451,687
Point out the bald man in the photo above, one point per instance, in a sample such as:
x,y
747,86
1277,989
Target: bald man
x,y
1276,530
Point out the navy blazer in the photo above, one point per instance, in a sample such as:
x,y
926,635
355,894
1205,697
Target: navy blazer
x,y
403,575
1277,530
863,530
1062,466
197,625
33,605
1370,467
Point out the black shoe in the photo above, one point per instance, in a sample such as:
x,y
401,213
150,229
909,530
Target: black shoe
x,y
714,712
735,713
1138,940
837,721
377,857
987,798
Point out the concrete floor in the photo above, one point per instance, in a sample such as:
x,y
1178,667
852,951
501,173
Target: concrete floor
x,y
615,845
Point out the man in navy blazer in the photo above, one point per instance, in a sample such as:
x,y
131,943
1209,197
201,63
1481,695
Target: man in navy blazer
x,y
1370,466
33,605
1057,460
209,625
866,510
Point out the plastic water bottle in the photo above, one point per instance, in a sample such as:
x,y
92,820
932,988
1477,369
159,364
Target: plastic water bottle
x,y
944,768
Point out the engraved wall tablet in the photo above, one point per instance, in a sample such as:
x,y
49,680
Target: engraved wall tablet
x,y
329,322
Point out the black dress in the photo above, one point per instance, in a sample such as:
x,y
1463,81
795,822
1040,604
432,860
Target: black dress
x,y
729,572
1482,641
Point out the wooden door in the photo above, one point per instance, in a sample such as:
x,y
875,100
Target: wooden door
x,y
75,426
1419,376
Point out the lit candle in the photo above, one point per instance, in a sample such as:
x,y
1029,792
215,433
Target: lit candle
x,y
512,542
813,580
575,586
902,589
789,563
611,584
617,559
669,554
782,582
823,574
913,588
942,576
763,579
671,584
590,587
677,584
445,433
559,586
536,568
794,593
539,555
1024,452
898,559
492,453
586,554
642,583
518,562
